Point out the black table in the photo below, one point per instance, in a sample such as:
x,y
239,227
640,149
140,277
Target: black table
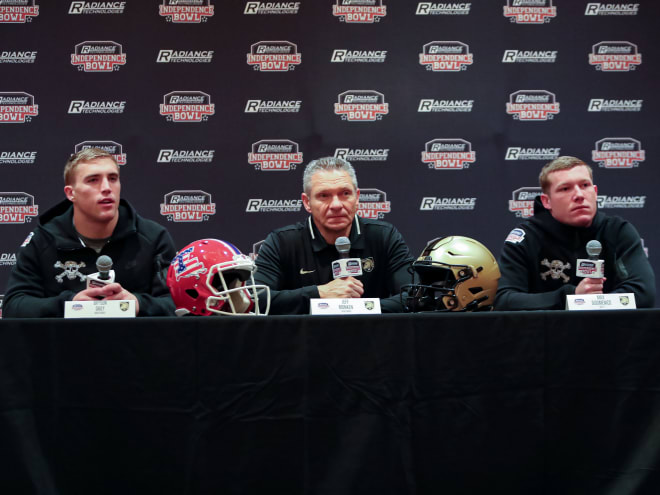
x,y
516,403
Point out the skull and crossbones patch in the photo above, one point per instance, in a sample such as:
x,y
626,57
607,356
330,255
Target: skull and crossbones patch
x,y
556,270
70,270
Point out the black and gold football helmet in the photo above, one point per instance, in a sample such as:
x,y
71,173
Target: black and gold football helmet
x,y
454,273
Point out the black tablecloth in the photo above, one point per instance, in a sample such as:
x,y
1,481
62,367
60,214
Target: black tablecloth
x,y
512,403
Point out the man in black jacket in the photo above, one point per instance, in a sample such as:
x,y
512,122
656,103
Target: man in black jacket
x,y
295,261
53,262
538,259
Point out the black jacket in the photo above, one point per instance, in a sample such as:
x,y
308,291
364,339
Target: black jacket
x,y
52,263
294,260
529,283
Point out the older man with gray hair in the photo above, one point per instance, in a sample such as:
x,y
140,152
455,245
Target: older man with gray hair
x,y
295,261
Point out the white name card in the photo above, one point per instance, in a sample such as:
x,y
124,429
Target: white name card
x,y
99,309
585,302
352,306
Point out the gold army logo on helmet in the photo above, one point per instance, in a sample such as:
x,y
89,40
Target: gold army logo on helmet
x,y
454,273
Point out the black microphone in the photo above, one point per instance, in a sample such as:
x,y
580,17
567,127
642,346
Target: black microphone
x,y
593,267
105,274
345,266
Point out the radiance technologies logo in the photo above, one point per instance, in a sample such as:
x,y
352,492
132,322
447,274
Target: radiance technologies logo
x,y
273,205
187,206
433,203
18,157
362,155
603,105
184,56
359,56
443,8
519,153
529,56
273,106
621,201
17,108
98,107
271,8
186,11
112,147
18,57
359,11
598,8
448,154
97,7
186,156
428,105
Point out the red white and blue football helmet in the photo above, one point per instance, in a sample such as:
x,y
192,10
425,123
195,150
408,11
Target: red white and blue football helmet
x,y
210,276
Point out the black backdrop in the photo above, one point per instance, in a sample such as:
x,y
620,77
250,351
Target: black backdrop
x,y
375,65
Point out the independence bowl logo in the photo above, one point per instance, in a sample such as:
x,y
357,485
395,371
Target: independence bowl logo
x,y
432,8
187,206
448,154
17,207
17,108
186,11
446,56
112,147
618,152
77,8
522,203
615,56
373,204
18,11
275,154
530,11
187,106
270,8
274,56
532,105
361,106
359,11
98,56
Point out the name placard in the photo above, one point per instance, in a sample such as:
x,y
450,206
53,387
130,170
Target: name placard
x,y
585,302
352,306
99,309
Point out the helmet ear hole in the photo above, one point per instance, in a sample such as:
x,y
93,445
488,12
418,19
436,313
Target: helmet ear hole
x,y
192,293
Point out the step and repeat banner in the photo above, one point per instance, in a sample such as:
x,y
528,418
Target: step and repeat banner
x,y
447,110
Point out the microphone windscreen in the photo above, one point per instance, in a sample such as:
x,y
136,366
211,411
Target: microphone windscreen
x,y
343,245
594,248
104,263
